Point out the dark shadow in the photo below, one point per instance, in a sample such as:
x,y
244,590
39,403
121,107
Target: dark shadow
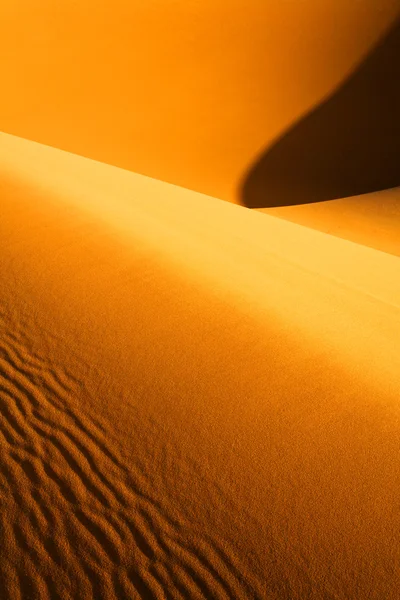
x,y
348,145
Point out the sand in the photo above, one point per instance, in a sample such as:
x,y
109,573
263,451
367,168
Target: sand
x,y
186,91
196,400
369,219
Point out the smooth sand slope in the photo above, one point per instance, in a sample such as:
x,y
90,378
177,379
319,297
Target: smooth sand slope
x,y
187,91
196,400
370,219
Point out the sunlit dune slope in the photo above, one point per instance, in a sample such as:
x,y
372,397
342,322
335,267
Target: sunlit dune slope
x,y
185,91
196,400
370,219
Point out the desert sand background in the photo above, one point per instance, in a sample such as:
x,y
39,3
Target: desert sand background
x,y
198,400
189,92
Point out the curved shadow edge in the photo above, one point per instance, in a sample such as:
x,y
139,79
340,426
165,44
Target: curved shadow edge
x,y
349,145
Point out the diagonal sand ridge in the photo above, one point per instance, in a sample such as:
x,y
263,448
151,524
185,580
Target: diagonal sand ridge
x,y
196,401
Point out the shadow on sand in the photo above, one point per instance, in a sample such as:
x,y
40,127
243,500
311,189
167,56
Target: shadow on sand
x,y
348,145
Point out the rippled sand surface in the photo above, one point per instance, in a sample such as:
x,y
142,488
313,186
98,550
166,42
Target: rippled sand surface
x,y
196,400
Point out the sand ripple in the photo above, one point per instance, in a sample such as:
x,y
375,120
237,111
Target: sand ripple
x,y
77,521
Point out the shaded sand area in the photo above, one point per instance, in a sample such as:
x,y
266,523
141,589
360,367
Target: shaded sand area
x,y
196,400
189,91
337,168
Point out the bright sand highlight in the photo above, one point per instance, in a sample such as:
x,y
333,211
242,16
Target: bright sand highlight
x,y
197,400
370,219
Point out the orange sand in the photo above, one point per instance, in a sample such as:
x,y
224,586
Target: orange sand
x,y
187,91
196,400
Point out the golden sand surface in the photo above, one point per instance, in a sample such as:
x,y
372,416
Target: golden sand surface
x,y
186,91
370,219
196,400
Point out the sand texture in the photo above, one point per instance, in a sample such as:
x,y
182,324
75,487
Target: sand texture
x,y
196,400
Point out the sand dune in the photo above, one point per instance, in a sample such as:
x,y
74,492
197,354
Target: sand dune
x,y
196,400
186,91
